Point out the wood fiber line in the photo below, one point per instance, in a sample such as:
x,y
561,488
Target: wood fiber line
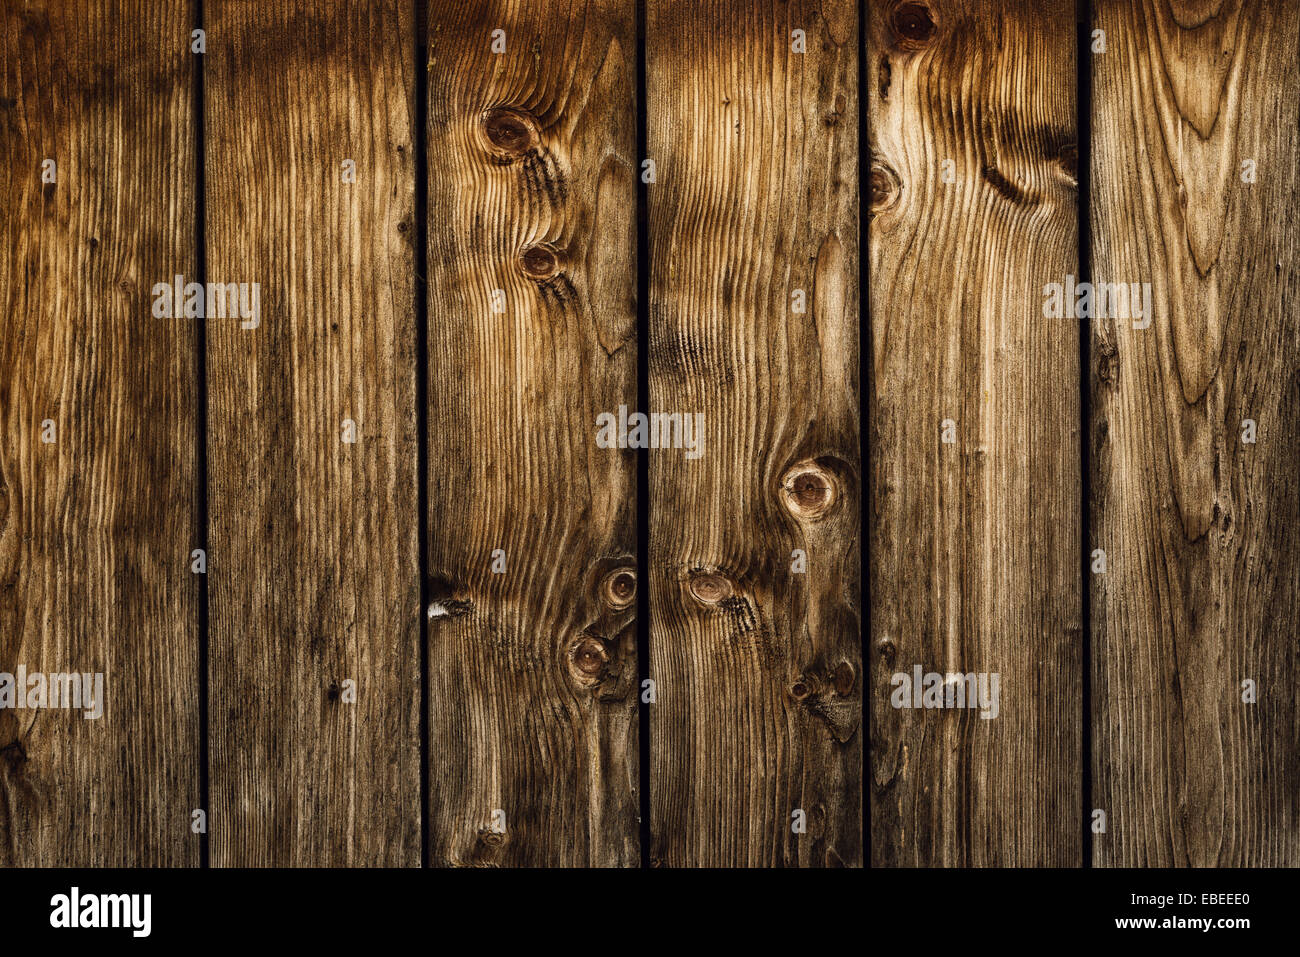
x,y
96,526
314,560
974,542
1201,529
532,334
758,667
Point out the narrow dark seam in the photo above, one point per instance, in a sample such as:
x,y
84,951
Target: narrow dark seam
x,y
644,571
201,428
420,130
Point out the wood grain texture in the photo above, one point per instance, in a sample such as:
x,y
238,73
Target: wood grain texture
x,y
532,669
975,544
1201,530
314,569
758,668
96,528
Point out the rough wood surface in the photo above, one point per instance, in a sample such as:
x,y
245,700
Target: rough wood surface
x,y
975,544
96,527
1201,530
532,668
753,583
758,667
314,571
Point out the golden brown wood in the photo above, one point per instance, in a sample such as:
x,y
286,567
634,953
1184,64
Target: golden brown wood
x,y
975,545
758,667
314,571
1201,530
532,334
96,527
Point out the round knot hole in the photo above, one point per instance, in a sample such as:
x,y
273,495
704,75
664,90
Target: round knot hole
x,y
587,659
810,490
510,130
710,588
913,24
539,262
619,588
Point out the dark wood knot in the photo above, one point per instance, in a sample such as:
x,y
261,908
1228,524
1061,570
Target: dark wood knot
x,y
511,131
1067,158
810,490
913,25
887,650
587,660
710,588
844,678
539,262
886,188
619,588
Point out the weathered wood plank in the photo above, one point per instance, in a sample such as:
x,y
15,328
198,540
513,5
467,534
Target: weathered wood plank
x,y
758,667
1201,529
314,556
96,526
975,544
532,334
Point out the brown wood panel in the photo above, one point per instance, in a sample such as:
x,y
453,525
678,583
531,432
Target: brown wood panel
x,y
758,667
532,334
975,543
314,569
1201,529
96,527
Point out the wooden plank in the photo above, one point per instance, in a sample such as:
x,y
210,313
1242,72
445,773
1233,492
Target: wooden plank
x,y
1201,529
96,527
976,543
314,573
532,669
758,667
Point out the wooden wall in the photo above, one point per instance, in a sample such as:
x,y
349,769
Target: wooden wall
x,y
439,623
